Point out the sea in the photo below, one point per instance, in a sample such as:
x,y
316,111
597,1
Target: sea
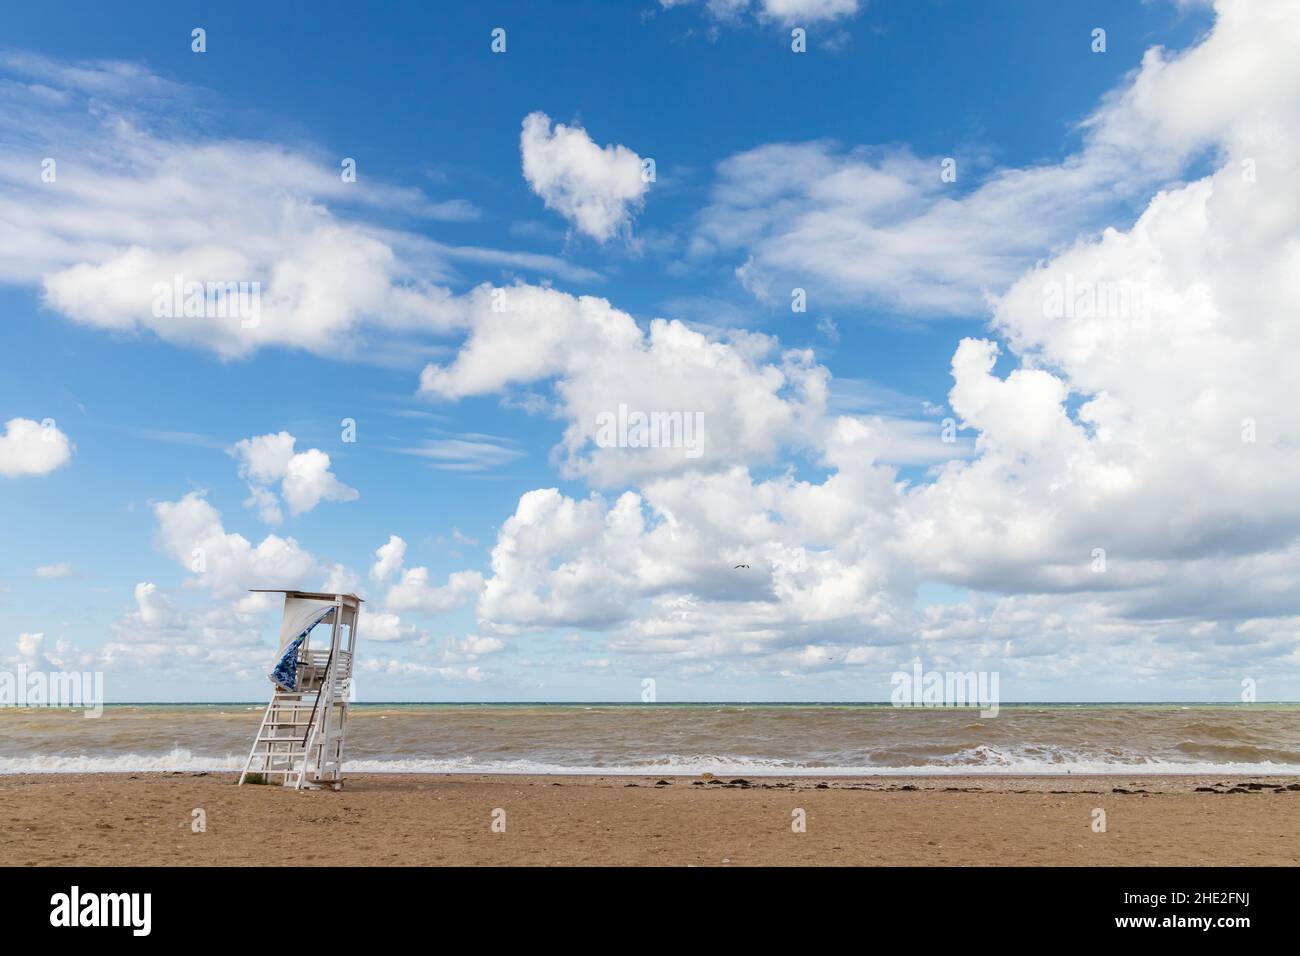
x,y
819,739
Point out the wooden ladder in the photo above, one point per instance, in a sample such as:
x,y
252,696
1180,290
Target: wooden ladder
x,y
280,748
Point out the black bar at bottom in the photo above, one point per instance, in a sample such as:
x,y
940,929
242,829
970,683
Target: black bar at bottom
x,y
941,907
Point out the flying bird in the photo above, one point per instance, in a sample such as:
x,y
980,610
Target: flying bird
x,y
740,566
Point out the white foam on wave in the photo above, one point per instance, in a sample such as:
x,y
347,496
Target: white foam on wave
x,y
181,760
178,759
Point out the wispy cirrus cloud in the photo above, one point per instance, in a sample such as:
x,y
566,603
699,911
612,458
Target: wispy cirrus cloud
x,y
935,236
468,453
106,199
61,570
791,12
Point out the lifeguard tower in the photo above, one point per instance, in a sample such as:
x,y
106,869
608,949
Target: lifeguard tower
x,y
303,731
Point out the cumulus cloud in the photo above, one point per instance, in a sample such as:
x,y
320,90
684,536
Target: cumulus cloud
x,y
164,637
472,646
304,476
34,652
1179,454
224,630
708,564
387,627
598,189
1130,491
29,649
413,591
388,558
32,448
191,532
739,400
1127,496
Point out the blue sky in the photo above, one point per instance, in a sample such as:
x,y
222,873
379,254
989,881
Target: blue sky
x,y
773,170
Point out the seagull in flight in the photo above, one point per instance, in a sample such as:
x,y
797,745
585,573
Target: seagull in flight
x,y
740,566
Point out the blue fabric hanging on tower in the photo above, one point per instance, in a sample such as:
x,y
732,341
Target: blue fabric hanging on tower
x,y
285,673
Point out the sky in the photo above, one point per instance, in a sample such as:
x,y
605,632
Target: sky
x,y
977,322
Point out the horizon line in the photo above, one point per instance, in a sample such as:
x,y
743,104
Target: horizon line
x,y
702,702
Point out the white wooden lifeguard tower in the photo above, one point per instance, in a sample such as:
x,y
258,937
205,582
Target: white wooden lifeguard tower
x,y
302,734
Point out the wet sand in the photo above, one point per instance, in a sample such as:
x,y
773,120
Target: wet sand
x,y
433,819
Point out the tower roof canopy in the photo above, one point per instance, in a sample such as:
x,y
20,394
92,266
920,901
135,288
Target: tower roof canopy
x,y
303,610
310,595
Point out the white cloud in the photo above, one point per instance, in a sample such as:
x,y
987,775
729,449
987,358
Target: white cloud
x,y
341,579
154,611
35,652
191,532
265,502
1161,430
388,558
32,448
224,630
661,568
1181,456
790,12
471,647
29,648
392,667
163,638
387,627
880,225
1166,435
597,189
461,454
746,401
808,11
134,205
308,481
213,627
414,593
305,477
61,570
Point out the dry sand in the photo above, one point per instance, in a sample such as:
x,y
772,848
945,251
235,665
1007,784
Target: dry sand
x,y
420,820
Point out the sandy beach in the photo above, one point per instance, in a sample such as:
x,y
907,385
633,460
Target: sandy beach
x,y
431,819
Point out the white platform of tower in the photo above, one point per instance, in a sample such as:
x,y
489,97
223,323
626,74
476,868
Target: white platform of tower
x,y
300,742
